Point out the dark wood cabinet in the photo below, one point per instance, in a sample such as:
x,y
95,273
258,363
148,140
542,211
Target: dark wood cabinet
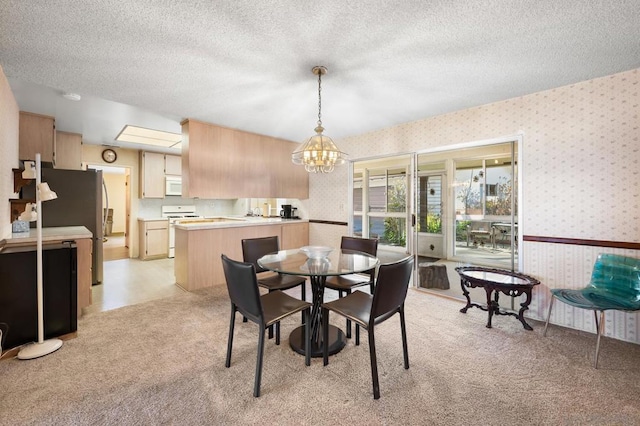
x,y
18,293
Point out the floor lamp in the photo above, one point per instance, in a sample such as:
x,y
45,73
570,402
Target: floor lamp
x,y
43,193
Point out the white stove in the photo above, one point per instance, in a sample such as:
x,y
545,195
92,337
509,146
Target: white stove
x,y
175,213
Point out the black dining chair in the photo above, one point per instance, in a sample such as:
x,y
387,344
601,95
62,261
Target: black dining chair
x,y
370,310
252,250
347,283
265,310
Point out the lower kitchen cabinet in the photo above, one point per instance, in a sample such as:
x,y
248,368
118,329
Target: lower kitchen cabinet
x,y
154,238
294,235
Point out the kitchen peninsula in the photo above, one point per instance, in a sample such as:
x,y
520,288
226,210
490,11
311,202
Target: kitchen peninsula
x,y
200,243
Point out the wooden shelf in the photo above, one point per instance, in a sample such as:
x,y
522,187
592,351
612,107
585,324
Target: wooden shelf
x,y
18,180
17,206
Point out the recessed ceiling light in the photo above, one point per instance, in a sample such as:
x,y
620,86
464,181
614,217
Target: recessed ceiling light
x,y
72,96
145,136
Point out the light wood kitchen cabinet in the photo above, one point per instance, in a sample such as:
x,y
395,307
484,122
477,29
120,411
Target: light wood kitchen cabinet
x,y
151,175
36,135
294,235
68,151
172,165
218,162
154,238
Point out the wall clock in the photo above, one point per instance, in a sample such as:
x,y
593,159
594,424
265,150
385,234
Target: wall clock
x,y
109,155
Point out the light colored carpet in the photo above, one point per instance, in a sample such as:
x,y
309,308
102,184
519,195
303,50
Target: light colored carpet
x,y
162,362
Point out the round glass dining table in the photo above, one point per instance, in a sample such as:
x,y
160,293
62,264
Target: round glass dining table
x,y
338,262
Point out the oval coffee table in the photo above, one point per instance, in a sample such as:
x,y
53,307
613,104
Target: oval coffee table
x,y
497,281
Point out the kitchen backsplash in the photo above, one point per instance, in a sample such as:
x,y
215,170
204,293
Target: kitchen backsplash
x,y
152,207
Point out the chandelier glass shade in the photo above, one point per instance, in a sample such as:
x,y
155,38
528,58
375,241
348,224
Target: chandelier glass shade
x,y
319,154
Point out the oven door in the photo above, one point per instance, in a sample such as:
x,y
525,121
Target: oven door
x,y
172,238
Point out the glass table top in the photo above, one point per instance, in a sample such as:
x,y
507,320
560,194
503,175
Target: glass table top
x,y
496,276
338,262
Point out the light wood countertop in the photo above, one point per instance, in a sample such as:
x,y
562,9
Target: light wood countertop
x,y
232,222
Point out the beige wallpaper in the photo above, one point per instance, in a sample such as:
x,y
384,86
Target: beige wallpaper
x,y
116,191
580,178
9,116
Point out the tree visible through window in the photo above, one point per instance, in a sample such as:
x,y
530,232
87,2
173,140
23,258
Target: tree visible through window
x,y
395,229
484,191
430,204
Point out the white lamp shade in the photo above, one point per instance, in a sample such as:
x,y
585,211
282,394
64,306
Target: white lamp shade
x,y
46,193
29,171
29,214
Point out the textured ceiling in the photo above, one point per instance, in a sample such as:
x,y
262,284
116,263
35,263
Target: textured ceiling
x,y
247,64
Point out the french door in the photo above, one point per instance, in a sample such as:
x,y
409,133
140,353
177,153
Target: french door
x,y
449,206
466,205
381,200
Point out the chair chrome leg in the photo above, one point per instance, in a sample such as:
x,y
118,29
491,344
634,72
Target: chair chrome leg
x,y
544,333
374,363
256,386
227,363
600,331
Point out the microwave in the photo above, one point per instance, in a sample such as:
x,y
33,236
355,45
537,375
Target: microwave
x,y
173,185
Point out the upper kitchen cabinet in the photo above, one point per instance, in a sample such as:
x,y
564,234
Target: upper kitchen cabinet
x,y
218,162
36,135
172,165
151,175
68,151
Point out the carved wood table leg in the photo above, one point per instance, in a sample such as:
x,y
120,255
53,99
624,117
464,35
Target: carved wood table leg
x,y
524,307
465,292
491,305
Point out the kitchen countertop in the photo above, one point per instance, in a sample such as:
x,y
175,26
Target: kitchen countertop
x,y
58,233
233,222
151,219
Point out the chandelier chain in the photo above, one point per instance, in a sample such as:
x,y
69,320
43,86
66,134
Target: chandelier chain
x,y
319,99
319,154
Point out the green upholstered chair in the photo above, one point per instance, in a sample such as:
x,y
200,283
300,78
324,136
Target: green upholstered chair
x,y
614,285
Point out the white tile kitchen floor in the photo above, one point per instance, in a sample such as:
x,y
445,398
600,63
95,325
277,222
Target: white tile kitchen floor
x,y
133,281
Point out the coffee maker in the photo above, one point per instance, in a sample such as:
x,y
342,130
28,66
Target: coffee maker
x,y
287,211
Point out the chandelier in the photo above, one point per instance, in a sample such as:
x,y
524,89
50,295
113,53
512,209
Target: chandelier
x,y
319,154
